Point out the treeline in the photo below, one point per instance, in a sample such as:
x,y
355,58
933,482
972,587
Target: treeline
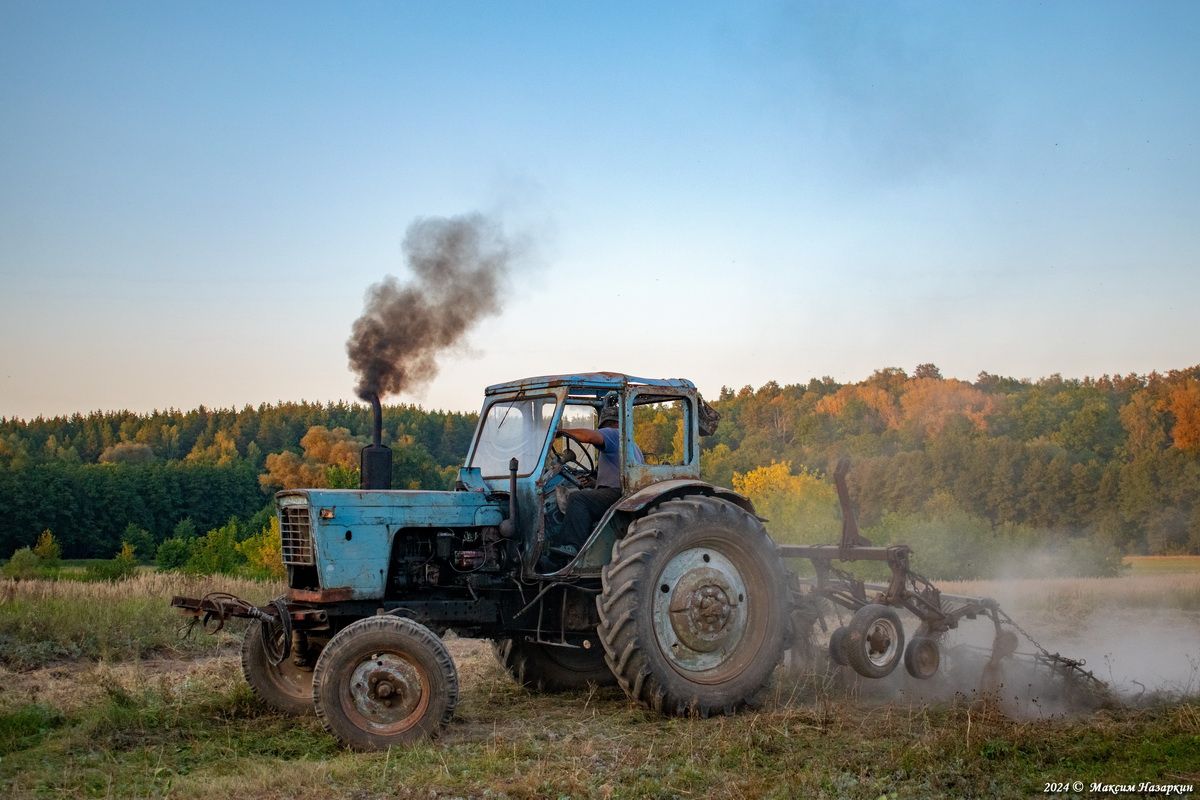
x,y
88,478
1115,460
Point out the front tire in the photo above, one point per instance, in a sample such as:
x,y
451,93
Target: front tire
x,y
384,681
283,687
694,609
550,668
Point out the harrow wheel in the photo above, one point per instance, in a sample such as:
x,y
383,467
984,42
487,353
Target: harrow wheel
x,y
283,687
694,610
922,657
874,641
384,681
837,646
550,668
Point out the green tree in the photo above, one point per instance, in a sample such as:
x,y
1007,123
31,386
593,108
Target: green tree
x,y
140,541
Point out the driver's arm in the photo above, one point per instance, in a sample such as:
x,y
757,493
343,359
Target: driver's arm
x,y
585,435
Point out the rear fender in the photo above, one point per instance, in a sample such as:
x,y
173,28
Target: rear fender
x,y
597,552
644,499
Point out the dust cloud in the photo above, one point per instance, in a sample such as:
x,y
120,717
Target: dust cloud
x,y
1141,655
460,267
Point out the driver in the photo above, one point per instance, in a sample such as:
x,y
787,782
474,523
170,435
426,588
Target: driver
x,y
586,506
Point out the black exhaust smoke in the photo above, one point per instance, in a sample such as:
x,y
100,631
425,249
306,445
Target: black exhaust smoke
x,y
376,464
460,268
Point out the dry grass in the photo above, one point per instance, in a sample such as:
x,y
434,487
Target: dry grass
x,y
144,584
45,623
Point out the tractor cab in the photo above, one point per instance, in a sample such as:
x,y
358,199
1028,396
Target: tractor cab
x,y
519,450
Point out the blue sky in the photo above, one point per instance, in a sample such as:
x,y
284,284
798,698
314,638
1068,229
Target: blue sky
x,y
194,197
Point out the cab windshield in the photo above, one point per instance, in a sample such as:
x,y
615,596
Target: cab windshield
x,y
513,429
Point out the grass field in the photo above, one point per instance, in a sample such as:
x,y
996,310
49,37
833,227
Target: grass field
x,y
146,716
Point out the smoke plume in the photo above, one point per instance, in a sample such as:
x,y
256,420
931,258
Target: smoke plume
x,y
460,266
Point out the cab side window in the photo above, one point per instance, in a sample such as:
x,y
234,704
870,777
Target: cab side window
x,y
661,428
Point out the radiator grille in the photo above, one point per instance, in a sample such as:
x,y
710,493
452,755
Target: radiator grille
x,y
296,536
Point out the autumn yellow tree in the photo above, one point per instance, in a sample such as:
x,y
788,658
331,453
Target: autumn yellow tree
x,y
801,507
1183,403
48,549
930,403
264,557
327,454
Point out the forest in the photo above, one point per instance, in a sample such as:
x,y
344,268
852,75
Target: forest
x,y
1112,461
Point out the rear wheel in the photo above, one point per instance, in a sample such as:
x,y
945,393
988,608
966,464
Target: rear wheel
x,y
694,609
284,687
384,681
874,641
551,668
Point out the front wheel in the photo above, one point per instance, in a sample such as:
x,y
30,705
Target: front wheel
x,y
694,608
384,681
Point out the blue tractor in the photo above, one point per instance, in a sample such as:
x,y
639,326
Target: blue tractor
x,y
678,595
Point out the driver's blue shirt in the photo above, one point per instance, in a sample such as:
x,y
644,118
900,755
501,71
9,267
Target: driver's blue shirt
x,y
608,471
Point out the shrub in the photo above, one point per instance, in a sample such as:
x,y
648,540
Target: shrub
x,y
216,553
23,565
174,553
123,565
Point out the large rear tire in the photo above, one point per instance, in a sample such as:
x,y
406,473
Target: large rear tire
x,y
283,687
384,681
550,668
694,612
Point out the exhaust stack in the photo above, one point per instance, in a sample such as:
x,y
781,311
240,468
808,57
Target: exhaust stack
x,y
376,463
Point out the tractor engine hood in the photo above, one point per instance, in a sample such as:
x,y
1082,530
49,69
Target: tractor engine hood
x,y
347,534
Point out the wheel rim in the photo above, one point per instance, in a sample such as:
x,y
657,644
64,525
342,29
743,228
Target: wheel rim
x,y
387,693
701,611
290,679
925,658
881,641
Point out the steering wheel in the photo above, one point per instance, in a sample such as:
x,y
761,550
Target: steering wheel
x,y
567,461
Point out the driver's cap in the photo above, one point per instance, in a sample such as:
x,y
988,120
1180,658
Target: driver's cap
x,y
609,414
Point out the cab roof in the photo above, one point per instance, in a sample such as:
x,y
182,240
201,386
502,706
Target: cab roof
x,y
602,381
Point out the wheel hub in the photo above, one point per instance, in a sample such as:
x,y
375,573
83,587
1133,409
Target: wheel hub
x,y
699,609
881,643
386,689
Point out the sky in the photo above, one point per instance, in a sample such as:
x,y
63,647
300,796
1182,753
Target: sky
x,y
195,196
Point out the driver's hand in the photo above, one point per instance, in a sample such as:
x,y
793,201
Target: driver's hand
x,y
586,482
